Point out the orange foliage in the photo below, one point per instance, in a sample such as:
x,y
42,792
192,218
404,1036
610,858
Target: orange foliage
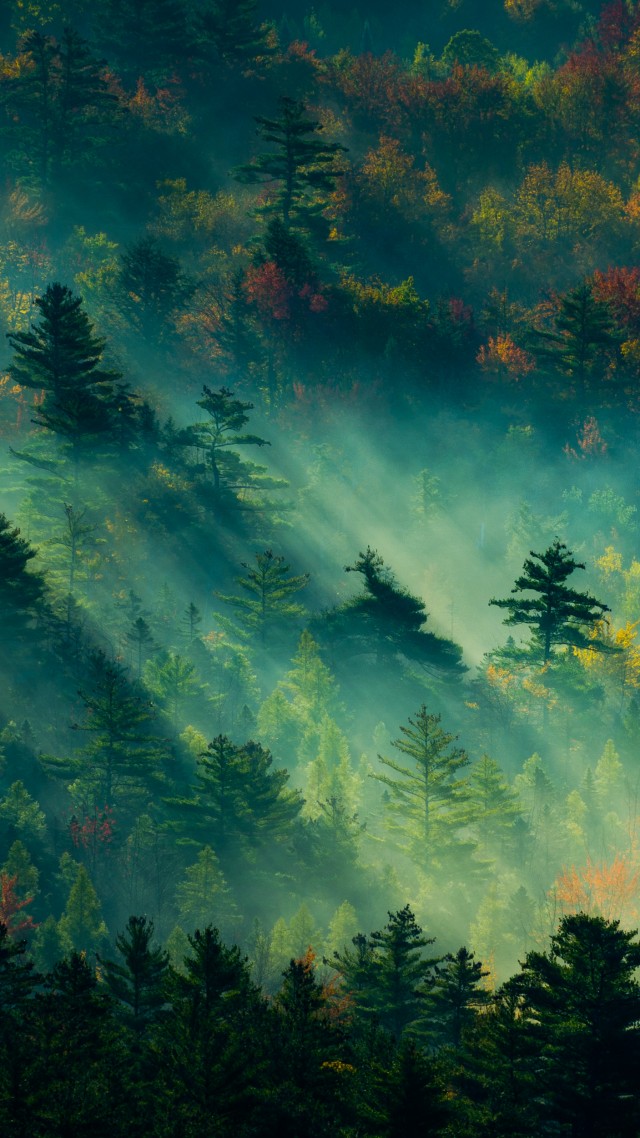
x,y
607,890
590,442
502,357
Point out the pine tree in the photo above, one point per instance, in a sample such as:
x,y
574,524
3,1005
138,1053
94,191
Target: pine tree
x,y
204,898
61,357
582,1010
231,28
301,165
81,926
241,804
151,288
558,614
492,805
207,1053
18,981
215,439
123,755
147,37
60,110
138,982
387,975
387,621
426,798
583,330
455,999
172,678
80,1086
267,605
21,591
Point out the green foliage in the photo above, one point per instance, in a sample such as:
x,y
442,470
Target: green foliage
x,y
81,927
427,798
83,404
559,614
138,982
267,603
204,897
301,166
386,974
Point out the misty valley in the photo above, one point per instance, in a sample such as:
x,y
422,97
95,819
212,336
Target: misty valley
x,y
319,569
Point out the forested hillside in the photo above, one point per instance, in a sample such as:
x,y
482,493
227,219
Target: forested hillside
x,y
319,568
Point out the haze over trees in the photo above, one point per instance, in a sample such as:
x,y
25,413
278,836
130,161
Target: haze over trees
x,y
319,568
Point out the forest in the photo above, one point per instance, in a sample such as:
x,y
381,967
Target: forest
x,y
319,569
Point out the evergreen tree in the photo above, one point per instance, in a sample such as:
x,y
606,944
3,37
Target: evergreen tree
x,y
80,1083
81,926
208,1053
387,974
138,982
172,678
427,798
387,622
141,640
18,981
583,330
267,603
123,756
61,357
214,438
61,112
455,998
231,28
203,896
21,591
145,36
409,1099
151,288
301,165
558,614
582,1010
492,805
242,804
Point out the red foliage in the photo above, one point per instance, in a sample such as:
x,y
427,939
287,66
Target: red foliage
x,y
11,908
616,25
619,287
267,287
